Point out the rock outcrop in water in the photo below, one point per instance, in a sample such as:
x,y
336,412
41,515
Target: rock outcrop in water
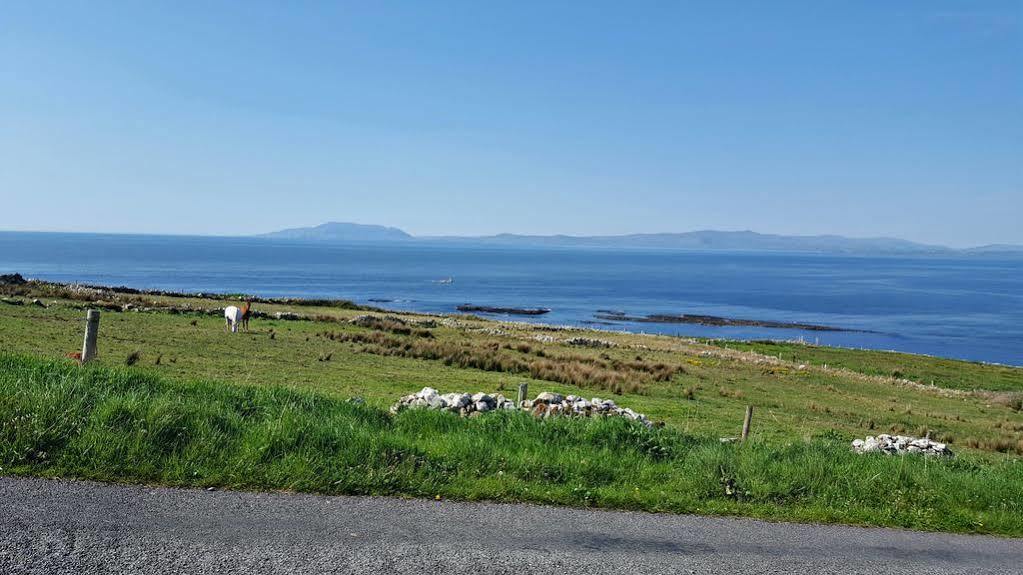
x,y
503,310
713,320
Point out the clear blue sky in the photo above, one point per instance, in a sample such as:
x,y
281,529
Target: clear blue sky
x,y
856,118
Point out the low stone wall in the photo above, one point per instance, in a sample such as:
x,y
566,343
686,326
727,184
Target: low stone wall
x,y
589,342
462,403
545,405
900,444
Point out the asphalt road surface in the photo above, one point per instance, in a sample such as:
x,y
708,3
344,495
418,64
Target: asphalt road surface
x,y
49,526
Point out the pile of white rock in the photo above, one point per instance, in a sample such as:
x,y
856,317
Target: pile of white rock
x,y
462,403
545,405
589,342
899,444
549,404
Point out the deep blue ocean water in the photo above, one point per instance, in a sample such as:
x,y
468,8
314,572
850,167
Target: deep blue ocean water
x,y
964,307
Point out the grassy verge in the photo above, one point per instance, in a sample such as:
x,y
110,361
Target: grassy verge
x,y
57,419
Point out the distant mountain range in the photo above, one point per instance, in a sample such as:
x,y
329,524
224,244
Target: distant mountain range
x,y
996,249
699,240
717,240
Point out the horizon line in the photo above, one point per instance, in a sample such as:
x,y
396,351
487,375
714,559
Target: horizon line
x,y
413,237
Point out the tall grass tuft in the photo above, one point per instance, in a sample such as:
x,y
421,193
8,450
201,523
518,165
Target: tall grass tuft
x,y
606,374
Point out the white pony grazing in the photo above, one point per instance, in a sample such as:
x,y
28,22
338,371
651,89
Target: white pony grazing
x,y
233,316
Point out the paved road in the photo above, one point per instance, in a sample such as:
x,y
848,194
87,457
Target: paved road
x,y
83,527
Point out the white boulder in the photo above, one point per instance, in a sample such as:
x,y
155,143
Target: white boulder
x,y
900,444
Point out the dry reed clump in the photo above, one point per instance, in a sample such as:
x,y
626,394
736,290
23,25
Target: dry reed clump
x,y
1013,400
525,348
614,376
733,393
390,324
999,444
133,358
816,407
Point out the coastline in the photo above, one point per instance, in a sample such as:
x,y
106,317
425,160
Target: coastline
x,y
810,402
8,281
877,302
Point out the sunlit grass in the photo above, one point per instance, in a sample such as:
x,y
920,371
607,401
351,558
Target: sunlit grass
x,y
127,424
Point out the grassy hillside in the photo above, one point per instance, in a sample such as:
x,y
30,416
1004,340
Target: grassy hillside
x,y
697,387
128,424
936,371
268,409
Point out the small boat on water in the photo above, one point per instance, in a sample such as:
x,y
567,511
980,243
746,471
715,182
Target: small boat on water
x,y
444,281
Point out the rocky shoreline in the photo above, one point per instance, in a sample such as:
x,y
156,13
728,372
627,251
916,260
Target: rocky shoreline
x,y
16,280
602,317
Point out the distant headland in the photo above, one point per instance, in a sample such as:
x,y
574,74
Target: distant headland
x,y
703,240
342,232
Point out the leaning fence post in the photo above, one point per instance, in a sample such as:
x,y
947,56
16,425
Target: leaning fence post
x,y
746,421
523,393
91,330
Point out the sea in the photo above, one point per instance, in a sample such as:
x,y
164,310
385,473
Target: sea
x,y
964,307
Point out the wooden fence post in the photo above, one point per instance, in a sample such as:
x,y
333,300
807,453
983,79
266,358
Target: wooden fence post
x,y
91,330
746,422
523,393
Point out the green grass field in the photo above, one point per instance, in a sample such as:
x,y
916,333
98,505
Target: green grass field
x,y
267,410
948,373
123,424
